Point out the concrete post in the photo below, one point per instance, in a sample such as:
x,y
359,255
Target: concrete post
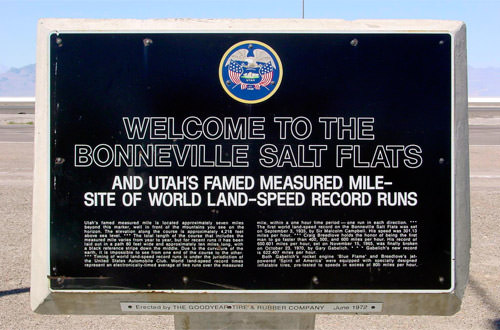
x,y
244,321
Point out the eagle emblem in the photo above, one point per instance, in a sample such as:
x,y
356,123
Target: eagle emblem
x,y
250,71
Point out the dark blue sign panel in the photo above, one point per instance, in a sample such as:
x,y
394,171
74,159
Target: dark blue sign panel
x,y
251,161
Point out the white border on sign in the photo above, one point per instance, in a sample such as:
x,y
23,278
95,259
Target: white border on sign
x,y
452,164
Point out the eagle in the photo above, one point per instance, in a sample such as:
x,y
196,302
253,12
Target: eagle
x,y
241,59
259,58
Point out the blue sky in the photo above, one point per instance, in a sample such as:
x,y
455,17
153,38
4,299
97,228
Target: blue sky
x,y
18,19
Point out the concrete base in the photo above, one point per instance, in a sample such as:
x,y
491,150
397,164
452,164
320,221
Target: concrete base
x,y
244,321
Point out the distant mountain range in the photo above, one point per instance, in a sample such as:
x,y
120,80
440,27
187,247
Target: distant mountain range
x,y
18,81
483,82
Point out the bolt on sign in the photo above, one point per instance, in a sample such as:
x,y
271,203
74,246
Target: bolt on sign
x,y
274,165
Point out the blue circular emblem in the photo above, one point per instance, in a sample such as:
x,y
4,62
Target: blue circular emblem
x,y
250,71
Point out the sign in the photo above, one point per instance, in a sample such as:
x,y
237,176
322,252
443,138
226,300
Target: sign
x,y
250,308
252,162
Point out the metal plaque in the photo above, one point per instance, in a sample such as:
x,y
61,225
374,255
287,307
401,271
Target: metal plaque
x,y
341,180
265,162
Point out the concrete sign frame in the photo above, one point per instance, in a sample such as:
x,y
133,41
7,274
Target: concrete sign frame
x,y
406,302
